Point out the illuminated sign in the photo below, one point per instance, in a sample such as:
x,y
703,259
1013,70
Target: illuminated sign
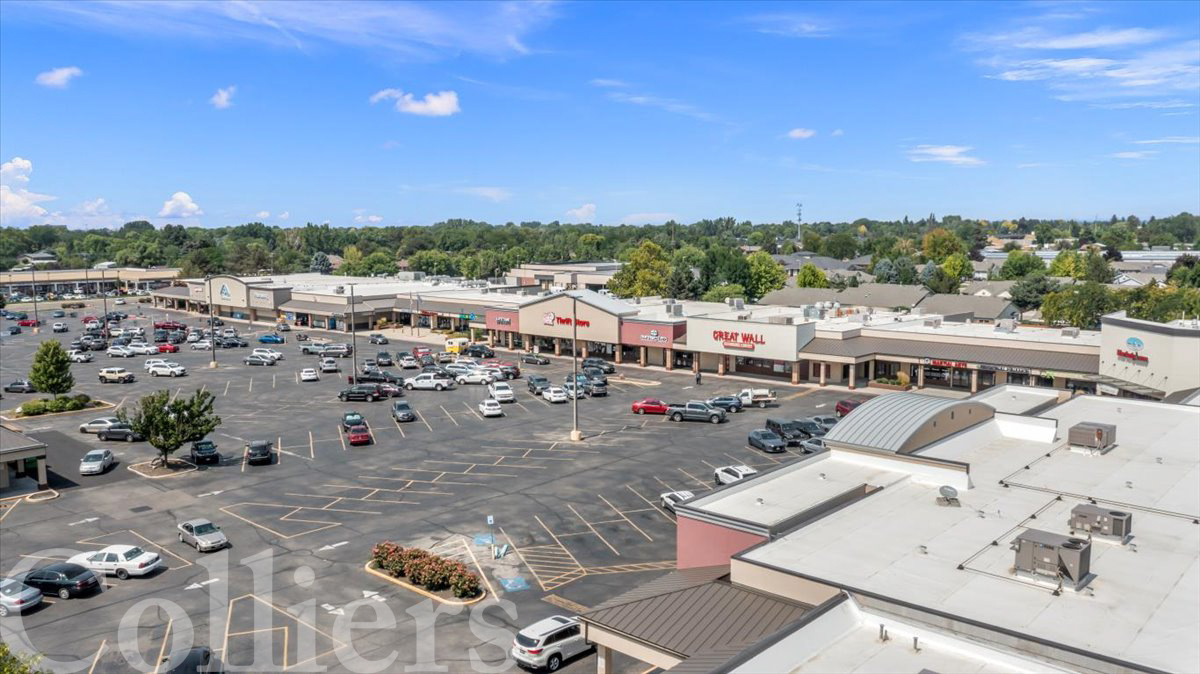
x,y
1132,352
550,319
653,336
947,363
466,317
738,340
1135,344
224,292
503,320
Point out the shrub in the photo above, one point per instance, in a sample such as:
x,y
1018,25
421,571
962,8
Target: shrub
x,y
426,569
33,408
465,585
82,398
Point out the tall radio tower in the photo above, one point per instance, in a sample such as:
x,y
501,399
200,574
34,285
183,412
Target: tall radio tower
x,y
799,219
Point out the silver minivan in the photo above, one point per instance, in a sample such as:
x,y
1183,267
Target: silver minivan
x,y
17,597
548,643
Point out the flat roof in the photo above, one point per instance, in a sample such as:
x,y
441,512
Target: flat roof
x,y
758,313
1023,333
1012,399
1142,607
12,441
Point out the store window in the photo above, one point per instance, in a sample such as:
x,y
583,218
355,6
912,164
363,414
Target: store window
x,y
762,366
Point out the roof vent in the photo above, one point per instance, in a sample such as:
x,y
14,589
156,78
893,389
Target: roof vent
x,y
1115,525
341,290
948,497
1006,325
1070,332
743,317
935,322
1043,555
1092,437
781,320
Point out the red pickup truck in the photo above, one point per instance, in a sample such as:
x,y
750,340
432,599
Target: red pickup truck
x,y
169,325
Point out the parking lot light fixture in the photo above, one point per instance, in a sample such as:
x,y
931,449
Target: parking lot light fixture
x,y
353,334
212,334
37,323
576,435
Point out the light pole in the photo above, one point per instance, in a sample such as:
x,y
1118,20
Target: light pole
x,y
104,299
212,333
37,322
353,334
576,435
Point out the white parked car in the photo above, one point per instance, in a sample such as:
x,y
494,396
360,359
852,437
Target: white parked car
x,y
731,474
490,408
555,394
119,301
193,337
267,353
229,332
672,498
501,392
142,349
572,389
463,360
97,425
547,644
409,363
201,345
78,356
474,377
309,374
59,327
119,352
96,462
167,370
329,365
151,362
122,561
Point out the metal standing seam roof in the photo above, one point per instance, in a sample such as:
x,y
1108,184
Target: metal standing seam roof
x,y
1032,359
685,614
887,422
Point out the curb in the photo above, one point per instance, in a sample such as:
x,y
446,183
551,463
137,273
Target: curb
x,y
104,404
133,467
413,588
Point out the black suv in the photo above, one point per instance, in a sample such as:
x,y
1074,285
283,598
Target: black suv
x,y
377,376
205,451
537,384
258,451
368,392
383,359
479,351
600,364
788,430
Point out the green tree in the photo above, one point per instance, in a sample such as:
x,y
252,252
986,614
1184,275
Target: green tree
x,y
840,246
320,263
810,276
1185,272
13,663
723,291
645,272
1160,303
1020,264
689,256
1065,264
1094,268
765,274
1080,305
682,283
168,424
378,262
433,262
51,369
1028,293
941,282
958,266
940,243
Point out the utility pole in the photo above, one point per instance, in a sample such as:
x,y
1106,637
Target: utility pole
x,y
212,327
799,219
576,436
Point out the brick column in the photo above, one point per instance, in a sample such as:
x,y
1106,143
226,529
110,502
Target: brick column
x,y
824,372
853,375
492,339
795,372
43,482
604,663
696,363
557,346
583,350
642,356
669,359
527,340
508,339
871,370
721,365
618,354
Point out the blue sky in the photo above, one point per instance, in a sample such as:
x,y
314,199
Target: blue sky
x,y
210,113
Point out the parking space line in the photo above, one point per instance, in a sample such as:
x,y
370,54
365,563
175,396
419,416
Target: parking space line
x,y
250,386
244,452
272,381
589,526
695,479
163,548
342,437
371,434
471,410
422,418
518,404
312,452
622,516
557,542
668,487
279,450
451,416
163,648
227,383
297,376
99,652
397,423
202,387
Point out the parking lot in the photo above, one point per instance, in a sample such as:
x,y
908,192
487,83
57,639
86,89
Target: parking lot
x,y
581,520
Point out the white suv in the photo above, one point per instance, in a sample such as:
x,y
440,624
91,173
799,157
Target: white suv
x,y
502,392
271,354
731,474
166,370
548,643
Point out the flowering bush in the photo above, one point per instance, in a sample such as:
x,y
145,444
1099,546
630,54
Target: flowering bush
x,y
425,569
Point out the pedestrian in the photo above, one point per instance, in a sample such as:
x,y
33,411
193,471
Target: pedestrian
x,y
697,377
350,379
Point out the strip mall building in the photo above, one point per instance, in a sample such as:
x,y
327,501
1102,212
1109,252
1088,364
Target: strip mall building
x,y
849,346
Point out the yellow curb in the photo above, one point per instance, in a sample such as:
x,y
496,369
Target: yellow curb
x,y
134,468
53,494
4,414
414,588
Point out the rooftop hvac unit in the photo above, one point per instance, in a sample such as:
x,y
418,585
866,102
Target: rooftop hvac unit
x,y
340,290
1099,521
935,322
742,317
1006,325
1092,436
780,320
676,309
1053,556
669,301
739,303
1070,332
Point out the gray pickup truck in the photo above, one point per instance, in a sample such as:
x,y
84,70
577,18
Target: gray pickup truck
x,y
311,349
696,410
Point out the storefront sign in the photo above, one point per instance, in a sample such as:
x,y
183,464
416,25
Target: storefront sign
x,y
1012,369
503,320
947,363
1132,352
550,319
224,292
261,296
738,340
466,317
653,336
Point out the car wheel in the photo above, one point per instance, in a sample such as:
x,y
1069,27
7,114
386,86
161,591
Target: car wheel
x,y
438,387
762,405
122,574
677,417
3,611
64,593
715,419
408,386
641,410
554,663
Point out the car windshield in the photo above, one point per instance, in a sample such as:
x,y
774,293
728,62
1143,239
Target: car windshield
x,y
204,444
93,457
527,642
353,418
133,553
206,528
807,425
259,446
358,429
768,435
400,406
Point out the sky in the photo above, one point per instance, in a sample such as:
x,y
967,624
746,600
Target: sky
x,y
211,113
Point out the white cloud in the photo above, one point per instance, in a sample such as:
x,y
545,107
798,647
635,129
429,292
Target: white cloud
x,y
180,205
790,25
1137,154
604,82
285,215
262,215
1170,140
17,204
837,132
441,104
801,133
94,207
58,78
647,218
496,194
585,213
1096,39
223,98
946,154
666,104
369,219
414,31
1148,105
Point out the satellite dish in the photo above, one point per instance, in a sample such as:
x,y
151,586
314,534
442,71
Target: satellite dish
x,y
948,492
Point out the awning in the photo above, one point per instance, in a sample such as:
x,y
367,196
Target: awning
x,y
307,307
983,356
173,292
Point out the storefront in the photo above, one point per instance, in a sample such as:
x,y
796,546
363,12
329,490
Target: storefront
x,y
550,323
1146,359
651,342
504,328
764,341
